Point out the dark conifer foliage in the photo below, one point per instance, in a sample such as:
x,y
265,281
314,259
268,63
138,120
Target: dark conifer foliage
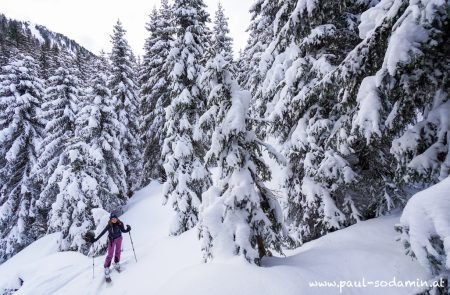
x,y
155,94
21,93
183,152
124,90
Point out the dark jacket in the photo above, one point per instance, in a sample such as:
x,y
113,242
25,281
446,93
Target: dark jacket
x,y
114,230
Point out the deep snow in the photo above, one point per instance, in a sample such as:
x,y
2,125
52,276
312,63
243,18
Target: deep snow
x,y
426,216
173,265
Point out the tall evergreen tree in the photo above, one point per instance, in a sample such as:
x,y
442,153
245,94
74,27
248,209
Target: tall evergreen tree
x,y
83,63
78,192
90,173
329,96
17,36
261,30
102,64
311,42
59,110
183,155
20,133
155,92
239,214
419,92
395,102
45,60
259,55
98,127
124,90
222,42
383,91
4,48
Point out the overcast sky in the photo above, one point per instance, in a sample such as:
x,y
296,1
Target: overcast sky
x,y
90,22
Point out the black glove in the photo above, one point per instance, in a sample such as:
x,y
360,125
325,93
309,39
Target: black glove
x,y
89,237
128,227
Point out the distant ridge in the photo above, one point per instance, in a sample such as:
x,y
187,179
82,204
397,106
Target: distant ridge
x,y
39,35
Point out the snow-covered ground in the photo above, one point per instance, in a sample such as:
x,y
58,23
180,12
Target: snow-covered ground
x,y
173,265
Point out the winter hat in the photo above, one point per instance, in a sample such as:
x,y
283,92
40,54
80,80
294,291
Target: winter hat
x,y
113,215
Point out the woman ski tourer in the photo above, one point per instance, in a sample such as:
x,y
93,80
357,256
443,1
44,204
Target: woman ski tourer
x,y
115,228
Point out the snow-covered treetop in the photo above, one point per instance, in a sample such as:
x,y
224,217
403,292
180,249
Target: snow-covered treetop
x,y
222,42
120,54
190,15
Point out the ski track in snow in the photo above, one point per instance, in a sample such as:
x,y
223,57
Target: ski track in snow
x,y
173,265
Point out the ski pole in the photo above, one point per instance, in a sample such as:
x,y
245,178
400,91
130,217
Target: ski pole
x,y
93,276
132,246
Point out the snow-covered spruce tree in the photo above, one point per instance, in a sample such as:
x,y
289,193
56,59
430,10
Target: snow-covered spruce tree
x,y
83,63
155,94
187,178
148,103
418,79
78,192
80,162
98,128
102,64
124,91
384,90
221,40
267,18
61,102
351,115
4,48
310,44
424,233
21,94
90,173
239,215
136,66
409,99
18,38
221,44
49,59
45,60
261,32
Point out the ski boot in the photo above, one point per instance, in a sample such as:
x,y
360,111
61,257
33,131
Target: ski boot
x,y
107,275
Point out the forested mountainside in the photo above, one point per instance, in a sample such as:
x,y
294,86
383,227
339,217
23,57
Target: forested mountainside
x,y
41,75
36,41
351,98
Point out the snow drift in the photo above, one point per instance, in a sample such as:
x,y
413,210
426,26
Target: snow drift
x,y
173,265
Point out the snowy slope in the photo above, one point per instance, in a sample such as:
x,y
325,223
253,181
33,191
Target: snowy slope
x,y
168,265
